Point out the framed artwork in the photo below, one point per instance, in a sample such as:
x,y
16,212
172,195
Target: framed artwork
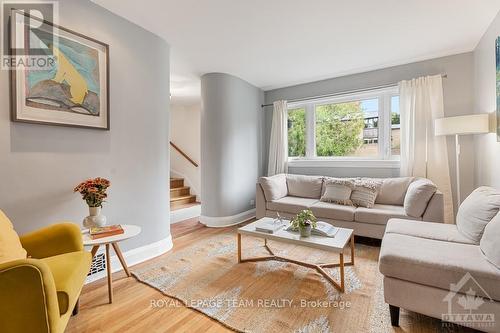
x,y
497,62
72,89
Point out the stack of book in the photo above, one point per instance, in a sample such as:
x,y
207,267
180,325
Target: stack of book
x,y
109,230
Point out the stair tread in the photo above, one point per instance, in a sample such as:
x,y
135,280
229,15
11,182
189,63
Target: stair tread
x,y
182,197
185,205
179,188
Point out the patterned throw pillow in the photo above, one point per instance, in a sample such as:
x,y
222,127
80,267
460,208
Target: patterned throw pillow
x,y
338,191
365,192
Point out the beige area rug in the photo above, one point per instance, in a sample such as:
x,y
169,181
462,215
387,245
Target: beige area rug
x,y
273,296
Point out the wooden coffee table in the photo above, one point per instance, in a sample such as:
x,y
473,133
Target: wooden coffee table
x,y
337,244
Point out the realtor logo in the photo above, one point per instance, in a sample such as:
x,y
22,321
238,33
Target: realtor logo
x,y
466,304
24,26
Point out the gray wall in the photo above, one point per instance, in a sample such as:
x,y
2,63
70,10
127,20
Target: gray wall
x,y
458,100
486,145
40,164
231,141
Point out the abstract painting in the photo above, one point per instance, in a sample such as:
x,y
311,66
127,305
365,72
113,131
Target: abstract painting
x,y
71,89
497,56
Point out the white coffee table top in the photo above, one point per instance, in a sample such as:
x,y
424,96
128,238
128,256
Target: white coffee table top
x,y
129,232
334,244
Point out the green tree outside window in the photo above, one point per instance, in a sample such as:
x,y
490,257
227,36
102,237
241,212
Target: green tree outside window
x,y
339,129
297,132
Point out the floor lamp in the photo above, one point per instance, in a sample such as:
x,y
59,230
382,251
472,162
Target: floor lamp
x,y
462,125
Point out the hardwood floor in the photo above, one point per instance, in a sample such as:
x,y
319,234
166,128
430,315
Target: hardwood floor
x,y
132,309
185,227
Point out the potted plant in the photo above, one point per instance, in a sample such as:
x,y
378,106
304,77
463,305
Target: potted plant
x,y
93,191
304,222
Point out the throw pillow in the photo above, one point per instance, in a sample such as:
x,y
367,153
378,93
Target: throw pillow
x,y
338,191
10,245
476,211
418,196
334,180
490,242
365,192
274,187
393,190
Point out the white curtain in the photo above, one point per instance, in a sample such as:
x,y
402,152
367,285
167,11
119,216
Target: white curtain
x,y
278,146
422,153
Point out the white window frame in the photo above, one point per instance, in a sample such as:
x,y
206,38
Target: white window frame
x,y
384,158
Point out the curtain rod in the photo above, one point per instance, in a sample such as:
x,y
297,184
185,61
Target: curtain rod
x,y
444,76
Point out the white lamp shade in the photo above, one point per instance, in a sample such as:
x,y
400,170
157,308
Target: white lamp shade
x,y
470,124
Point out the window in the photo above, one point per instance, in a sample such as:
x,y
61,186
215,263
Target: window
x,y
297,132
395,126
356,126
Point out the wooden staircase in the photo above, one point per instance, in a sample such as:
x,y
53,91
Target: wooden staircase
x,y
180,195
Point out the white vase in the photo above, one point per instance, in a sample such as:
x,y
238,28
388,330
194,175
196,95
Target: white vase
x,y
95,218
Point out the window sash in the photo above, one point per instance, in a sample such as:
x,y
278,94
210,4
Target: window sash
x,y
384,123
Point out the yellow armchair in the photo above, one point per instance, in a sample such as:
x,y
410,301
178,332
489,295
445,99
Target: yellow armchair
x,y
38,293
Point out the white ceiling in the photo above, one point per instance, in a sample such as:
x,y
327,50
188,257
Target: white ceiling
x,y
276,43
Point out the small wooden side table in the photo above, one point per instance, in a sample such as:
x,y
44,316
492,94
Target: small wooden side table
x,y
129,232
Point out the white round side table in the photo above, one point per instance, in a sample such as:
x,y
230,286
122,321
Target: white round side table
x,y
129,231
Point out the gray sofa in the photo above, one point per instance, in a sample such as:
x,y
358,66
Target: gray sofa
x,y
442,270
289,194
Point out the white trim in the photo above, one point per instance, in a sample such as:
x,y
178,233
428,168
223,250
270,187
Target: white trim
x,y
227,221
179,215
343,163
135,256
310,131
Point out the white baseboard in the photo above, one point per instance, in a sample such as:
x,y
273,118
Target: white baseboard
x,y
227,221
135,256
179,215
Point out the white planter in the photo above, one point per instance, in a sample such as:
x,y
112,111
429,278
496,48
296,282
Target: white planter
x,y
95,218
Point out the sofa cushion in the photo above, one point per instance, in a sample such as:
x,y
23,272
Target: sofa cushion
x,y
418,195
476,211
290,204
436,263
393,190
304,186
274,187
380,214
436,231
10,245
490,242
69,271
365,192
333,211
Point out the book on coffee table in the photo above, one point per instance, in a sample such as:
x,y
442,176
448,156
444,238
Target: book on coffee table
x,y
109,230
322,229
270,226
